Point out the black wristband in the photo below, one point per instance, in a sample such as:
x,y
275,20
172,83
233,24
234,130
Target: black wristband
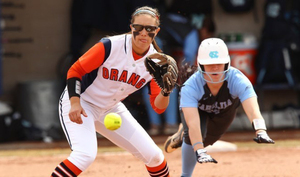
x,y
74,87
164,93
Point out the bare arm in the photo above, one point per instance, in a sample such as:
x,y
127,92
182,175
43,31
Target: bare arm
x,y
76,110
254,115
161,102
252,110
192,119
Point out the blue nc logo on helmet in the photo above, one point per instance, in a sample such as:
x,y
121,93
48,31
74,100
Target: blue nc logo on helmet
x,y
214,54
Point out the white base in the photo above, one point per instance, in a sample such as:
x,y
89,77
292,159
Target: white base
x,y
221,146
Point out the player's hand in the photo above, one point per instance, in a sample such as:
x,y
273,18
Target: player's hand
x,y
76,111
262,137
202,157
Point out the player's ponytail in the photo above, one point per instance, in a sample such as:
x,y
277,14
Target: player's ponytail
x,y
156,46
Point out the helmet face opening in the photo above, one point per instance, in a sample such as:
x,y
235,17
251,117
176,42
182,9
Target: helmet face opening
x,y
213,51
223,77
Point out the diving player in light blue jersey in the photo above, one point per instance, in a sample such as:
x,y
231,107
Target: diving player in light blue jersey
x,y
208,103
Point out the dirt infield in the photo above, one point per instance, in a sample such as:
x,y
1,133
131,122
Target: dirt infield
x,y
250,160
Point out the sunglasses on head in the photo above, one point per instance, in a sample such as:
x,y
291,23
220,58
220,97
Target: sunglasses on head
x,y
148,28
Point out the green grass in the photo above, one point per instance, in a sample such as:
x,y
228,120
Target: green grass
x,y
279,143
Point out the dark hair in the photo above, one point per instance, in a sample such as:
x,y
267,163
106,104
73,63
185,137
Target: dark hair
x,y
150,11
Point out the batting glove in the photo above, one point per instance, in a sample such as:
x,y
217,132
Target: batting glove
x,y
262,137
202,157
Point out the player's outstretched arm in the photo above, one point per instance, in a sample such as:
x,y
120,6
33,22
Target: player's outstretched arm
x,y
192,119
252,110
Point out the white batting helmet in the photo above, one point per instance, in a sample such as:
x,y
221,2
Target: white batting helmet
x,y
213,51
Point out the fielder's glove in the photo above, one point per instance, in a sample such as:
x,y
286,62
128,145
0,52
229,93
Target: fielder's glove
x,y
163,69
202,157
262,137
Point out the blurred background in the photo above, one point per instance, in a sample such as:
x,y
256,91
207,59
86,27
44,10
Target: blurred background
x,y
41,39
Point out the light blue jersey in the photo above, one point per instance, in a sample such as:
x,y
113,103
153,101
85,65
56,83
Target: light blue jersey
x,y
237,88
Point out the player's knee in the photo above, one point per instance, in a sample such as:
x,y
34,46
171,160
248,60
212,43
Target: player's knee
x,y
156,159
83,159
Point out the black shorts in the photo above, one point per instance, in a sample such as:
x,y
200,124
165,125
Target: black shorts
x,y
213,126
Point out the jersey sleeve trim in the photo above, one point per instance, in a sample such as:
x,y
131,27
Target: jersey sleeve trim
x,y
107,47
88,62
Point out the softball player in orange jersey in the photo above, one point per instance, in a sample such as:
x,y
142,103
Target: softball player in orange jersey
x,y
97,83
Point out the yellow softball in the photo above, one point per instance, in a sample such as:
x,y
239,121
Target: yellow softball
x,y
112,121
